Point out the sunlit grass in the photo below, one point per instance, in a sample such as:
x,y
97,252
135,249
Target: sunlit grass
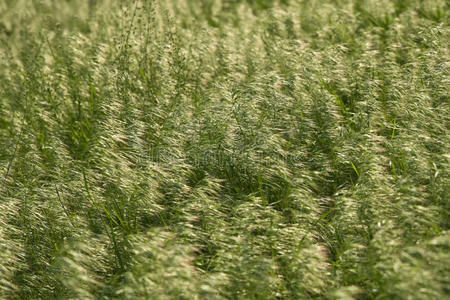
x,y
264,149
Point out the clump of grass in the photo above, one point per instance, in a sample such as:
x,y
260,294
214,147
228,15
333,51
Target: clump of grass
x,y
224,149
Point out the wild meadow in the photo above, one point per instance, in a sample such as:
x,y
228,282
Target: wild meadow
x,y
224,149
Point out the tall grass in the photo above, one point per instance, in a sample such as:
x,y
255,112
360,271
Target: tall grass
x,y
224,149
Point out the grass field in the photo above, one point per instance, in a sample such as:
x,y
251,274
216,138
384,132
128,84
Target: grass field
x,y
196,149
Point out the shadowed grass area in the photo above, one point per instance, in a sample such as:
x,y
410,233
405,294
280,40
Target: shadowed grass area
x,y
262,149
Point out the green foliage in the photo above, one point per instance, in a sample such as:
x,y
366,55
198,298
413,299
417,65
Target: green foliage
x,y
224,149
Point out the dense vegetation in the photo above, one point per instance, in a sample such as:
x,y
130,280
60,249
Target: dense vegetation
x,y
258,149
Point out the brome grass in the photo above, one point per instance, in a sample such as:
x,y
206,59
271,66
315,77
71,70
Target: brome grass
x,y
267,149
